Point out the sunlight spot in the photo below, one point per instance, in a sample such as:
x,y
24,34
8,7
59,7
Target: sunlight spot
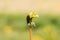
x,y
37,37
53,35
7,29
47,29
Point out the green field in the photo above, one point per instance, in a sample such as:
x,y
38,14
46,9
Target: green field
x,y
13,27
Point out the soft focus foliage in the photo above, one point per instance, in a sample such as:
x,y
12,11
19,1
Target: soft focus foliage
x,y
13,27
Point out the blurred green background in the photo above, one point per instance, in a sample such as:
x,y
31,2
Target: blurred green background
x,y
13,26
